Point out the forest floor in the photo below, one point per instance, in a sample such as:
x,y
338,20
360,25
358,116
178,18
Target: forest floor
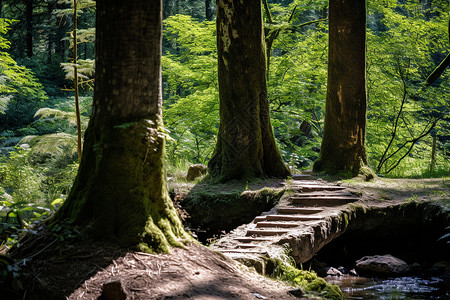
x,y
191,273
55,270
400,189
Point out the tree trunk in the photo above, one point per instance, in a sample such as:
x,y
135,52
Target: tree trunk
x,y
60,33
209,13
433,155
29,26
439,70
343,148
120,191
246,145
50,35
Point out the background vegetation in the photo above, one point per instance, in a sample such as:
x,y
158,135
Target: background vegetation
x,y
406,40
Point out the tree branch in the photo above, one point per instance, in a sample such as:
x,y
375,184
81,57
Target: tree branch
x,y
394,133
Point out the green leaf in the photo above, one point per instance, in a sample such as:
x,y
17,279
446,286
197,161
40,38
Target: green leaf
x,y
57,201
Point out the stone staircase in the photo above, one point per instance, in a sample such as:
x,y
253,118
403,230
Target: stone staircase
x,y
308,201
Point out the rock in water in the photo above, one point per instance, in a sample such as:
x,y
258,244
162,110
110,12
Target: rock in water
x,y
333,272
195,171
383,265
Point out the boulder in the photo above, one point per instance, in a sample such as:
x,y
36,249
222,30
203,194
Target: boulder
x,y
196,171
383,265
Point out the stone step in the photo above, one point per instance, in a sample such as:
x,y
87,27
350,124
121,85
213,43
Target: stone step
x,y
303,177
298,210
314,187
294,183
291,218
322,201
319,194
323,197
247,251
276,224
248,246
259,219
247,239
267,232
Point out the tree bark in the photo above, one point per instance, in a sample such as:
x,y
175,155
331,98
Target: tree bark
x,y
120,192
439,70
433,155
29,27
343,148
246,145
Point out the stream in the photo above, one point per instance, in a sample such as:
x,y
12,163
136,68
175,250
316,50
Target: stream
x,y
413,287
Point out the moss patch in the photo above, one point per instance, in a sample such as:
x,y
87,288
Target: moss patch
x,y
120,192
308,281
225,206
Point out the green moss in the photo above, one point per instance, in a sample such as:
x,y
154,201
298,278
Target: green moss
x,y
366,173
228,205
121,188
345,220
306,280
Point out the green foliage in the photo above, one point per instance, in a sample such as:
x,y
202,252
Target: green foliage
x,y
30,193
48,120
192,103
15,80
296,80
20,179
406,40
194,8
85,67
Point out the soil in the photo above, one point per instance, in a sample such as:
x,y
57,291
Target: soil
x,y
79,272
76,269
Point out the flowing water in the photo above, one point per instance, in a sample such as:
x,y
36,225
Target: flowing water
x,y
392,288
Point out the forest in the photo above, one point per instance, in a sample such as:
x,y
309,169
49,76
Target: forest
x,y
250,109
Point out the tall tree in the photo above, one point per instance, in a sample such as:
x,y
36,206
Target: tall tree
x,y
245,145
29,25
120,191
346,102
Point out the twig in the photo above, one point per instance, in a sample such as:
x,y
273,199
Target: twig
x,y
39,252
146,254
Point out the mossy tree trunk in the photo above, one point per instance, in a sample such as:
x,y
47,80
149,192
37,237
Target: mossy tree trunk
x,y
343,148
120,191
246,145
